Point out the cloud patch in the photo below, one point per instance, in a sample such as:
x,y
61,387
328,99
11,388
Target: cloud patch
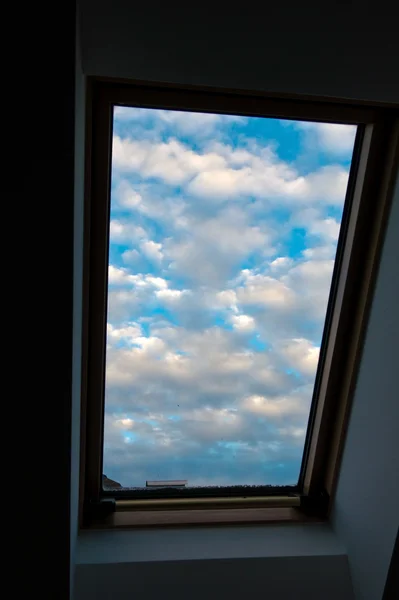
x,y
331,138
221,257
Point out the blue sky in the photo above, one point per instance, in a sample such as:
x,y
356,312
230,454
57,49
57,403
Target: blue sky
x,y
222,242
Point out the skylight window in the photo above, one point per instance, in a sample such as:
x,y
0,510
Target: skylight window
x,y
231,245
222,240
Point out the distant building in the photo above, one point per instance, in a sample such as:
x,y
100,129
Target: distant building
x,y
167,483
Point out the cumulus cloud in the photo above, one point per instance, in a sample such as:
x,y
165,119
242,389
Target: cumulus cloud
x,y
181,122
210,248
171,161
274,407
311,278
203,366
129,293
258,289
152,250
332,138
123,231
219,173
281,263
326,228
243,322
272,181
127,196
170,295
119,276
301,355
129,332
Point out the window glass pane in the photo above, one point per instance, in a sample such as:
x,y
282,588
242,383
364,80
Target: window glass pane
x,y
223,236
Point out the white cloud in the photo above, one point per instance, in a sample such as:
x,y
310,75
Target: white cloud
x,y
282,263
327,184
127,197
210,423
130,294
264,290
328,229
316,224
120,276
243,322
311,280
201,363
157,282
170,294
151,345
310,275
189,122
125,231
322,233
129,332
131,257
228,299
274,407
301,355
125,423
225,173
294,434
265,176
332,138
182,122
209,249
152,250
323,252
128,113
171,161
211,398
122,304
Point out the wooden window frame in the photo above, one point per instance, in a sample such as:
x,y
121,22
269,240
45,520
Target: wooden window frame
x,y
367,204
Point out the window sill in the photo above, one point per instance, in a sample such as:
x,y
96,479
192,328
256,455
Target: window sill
x,y
277,540
201,517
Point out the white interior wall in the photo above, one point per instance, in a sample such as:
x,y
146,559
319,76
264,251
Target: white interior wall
x,y
284,578
366,514
216,563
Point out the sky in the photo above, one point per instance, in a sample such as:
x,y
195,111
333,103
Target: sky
x,y
223,235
